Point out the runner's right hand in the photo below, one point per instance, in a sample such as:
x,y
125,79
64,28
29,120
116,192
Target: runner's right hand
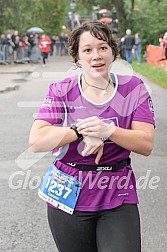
x,y
93,145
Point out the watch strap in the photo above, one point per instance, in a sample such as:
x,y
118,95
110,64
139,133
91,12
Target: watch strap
x,y
74,127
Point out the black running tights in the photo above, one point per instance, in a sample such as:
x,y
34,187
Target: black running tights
x,y
115,230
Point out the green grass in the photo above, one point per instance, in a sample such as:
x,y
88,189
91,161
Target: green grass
x,y
153,73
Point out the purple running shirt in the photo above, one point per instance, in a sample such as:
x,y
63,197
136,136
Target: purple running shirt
x,y
64,104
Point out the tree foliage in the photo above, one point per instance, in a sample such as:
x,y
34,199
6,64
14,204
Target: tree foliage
x,y
21,15
150,20
148,17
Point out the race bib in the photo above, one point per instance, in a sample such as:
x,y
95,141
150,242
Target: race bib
x,y
60,189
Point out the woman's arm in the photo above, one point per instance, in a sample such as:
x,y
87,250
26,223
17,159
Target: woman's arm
x,y
45,136
138,139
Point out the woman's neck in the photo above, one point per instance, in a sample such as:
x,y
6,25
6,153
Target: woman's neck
x,y
99,81
97,93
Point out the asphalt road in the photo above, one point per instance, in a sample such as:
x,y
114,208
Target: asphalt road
x,y
24,226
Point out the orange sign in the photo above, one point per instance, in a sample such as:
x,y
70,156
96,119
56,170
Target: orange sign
x,y
155,55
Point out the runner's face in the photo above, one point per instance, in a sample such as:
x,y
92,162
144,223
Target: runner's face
x,y
95,55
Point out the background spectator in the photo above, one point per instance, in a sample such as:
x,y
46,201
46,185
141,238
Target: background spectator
x,y
122,48
52,45
163,43
137,47
129,42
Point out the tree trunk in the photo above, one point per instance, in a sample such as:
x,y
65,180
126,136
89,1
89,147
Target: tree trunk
x,y
132,4
121,14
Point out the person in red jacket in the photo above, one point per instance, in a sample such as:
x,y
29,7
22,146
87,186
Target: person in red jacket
x,y
44,45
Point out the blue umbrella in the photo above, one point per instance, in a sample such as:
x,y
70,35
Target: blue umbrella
x,y
35,30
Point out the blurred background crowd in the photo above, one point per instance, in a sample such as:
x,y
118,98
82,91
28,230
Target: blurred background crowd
x,y
138,28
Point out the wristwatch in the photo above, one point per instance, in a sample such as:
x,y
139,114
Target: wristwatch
x,y
74,127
